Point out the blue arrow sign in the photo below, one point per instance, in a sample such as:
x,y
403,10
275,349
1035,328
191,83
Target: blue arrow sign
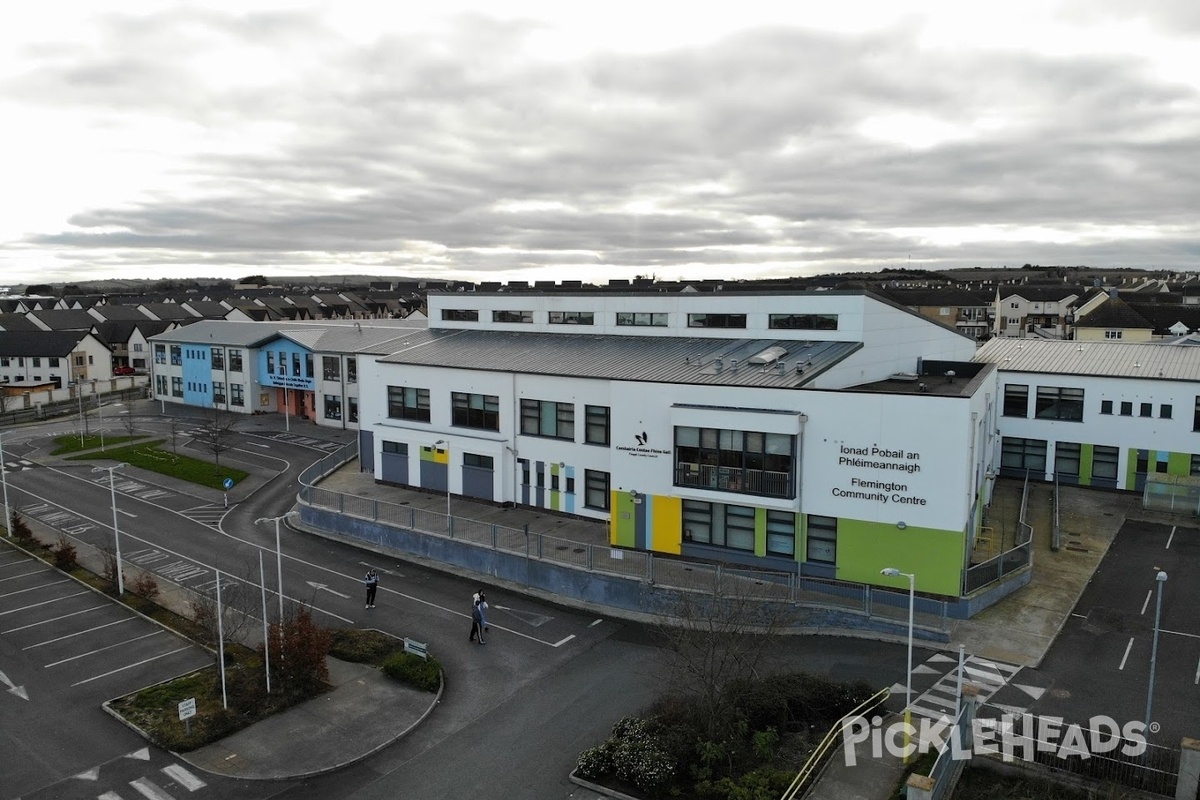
x,y
227,483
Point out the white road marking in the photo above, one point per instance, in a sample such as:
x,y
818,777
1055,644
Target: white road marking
x,y
1180,633
130,666
89,775
1169,538
594,624
561,642
1146,602
77,633
1128,647
147,789
126,513
258,444
139,755
184,778
34,588
44,603
54,619
109,796
1197,681
25,574
102,649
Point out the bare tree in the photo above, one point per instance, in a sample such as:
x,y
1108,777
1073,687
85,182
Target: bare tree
x,y
128,421
175,430
216,432
240,606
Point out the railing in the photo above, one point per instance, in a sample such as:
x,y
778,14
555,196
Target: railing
x,y
1056,531
734,479
819,755
668,572
1009,561
317,471
947,768
1175,494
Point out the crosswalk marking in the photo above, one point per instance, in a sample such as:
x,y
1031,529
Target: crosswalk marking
x,y
989,677
184,778
109,796
148,789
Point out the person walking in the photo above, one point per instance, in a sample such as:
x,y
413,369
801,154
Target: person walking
x,y
476,624
372,581
481,601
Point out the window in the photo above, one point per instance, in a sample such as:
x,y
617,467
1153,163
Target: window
x,y
697,522
1126,408
53,362
595,489
1106,406
1020,455
1066,459
716,320
331,368
572,318
4,362
596,425
352,409
235,394
460,315
333,406
480,411
177,387
176,355
160,384
641,319
1016,400
218,358
1112,334
1054,402
1146,410
396,448
270,363
405,402
746,462
218,392
781,533
37,361
79,361
351,370
718,524
475,460
295,364
235,360
822,539
1104,463
1164,411
739,528
309,372
547,418
1194,470
804,322
1196,416
137,347
512,316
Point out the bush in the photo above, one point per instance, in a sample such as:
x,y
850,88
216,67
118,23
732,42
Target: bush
x,y
64,555
20,528
363,646
146,587
635,754
597,762
415,671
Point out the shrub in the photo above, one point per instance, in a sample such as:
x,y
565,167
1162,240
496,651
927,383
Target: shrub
x,y
363,646
145,586
20,528
64,555
415,671
640,757
597,762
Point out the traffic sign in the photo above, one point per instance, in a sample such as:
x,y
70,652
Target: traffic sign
x,y
227,483
187,708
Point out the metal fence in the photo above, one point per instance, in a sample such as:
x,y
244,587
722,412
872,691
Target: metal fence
x,y
949,765
1177,494
1021,555
1056,531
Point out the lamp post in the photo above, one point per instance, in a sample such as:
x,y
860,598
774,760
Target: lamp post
x,y
449,529
1160,579
4,480
112,487
278,562
892,572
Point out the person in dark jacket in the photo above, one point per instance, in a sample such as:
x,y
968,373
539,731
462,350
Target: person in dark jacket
x,y
372,581
477,623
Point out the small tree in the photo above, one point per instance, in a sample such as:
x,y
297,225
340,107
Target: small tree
x,y
298,650
129,422
175,430
64,554
20,528
238,605
216,433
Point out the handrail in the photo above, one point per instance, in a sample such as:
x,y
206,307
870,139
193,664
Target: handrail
x,y
818,755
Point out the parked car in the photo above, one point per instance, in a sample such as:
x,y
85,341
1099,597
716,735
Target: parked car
x,y
124,371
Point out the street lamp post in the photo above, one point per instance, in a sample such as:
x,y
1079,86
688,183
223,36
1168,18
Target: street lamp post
x,y
278,562
892,572
4,480
449,529
112,487
1160,579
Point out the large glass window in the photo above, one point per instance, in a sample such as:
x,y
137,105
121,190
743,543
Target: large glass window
x,y
781,533
407,402
512,316
1018,455
822,539
460,315
716,320
747,462
160,354
235,395
352,409
218,392
642,319
595,489
476,460
331,368
176,355
1056,402
596,425
235,360
718,524
218,358
804,322
572,318
1016,400
480,411
1066,460
177,387
333,406
1105,461
548,418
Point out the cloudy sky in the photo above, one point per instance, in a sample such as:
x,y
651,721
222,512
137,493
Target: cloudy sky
x,y
148,139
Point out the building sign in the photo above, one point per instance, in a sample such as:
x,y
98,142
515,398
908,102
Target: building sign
x,y
642,448
869,484
288,381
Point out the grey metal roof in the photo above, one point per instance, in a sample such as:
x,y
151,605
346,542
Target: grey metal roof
x,y
57,344
364,339
1110,359
629,358
221,331
307,338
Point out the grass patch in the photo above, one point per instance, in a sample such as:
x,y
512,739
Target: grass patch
x,y
72,444
386,652
150,456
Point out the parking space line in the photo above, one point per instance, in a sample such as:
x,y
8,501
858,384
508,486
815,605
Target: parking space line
x,y
53,619
25,574
1125,657
1181,633
1169,538
77,633
1149,594
44,603
102,649
17,560
34,588
1197,681
130,666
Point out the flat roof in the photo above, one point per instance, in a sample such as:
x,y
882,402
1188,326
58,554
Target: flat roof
x,y
1107,359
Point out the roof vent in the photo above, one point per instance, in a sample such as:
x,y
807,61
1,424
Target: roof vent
x,y
921,387
782,366
719,363
733,364
769,356
950,376
799,368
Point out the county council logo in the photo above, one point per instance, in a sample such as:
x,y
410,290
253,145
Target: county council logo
x,y
642,438
996,737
